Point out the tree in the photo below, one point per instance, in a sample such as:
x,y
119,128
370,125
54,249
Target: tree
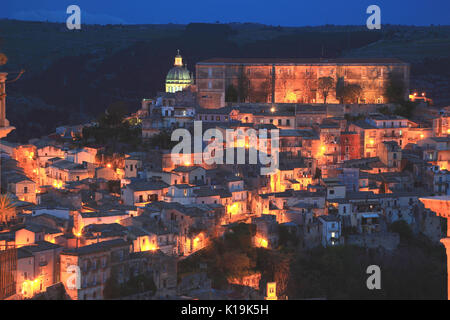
x,y
7,209
240,237
114,115
134,285
318,173
348,93
236,264
231,94
340,89
309,85
403,229
395,89
243,86
405,109
325,84
260,93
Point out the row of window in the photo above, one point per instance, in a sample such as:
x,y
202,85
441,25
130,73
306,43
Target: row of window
x,y
211,118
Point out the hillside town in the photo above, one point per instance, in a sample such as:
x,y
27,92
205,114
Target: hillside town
x,y
102,210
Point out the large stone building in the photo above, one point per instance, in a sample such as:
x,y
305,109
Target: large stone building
x,y
220,80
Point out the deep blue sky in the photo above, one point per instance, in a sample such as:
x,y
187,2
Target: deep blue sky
x,y
274,12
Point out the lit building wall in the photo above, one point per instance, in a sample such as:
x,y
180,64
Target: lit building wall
x,y
8,267
292,80
350,146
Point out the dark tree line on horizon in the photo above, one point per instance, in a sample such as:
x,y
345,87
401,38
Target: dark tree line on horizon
x,y
81,87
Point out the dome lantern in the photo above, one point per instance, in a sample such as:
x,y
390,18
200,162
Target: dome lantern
x,y
178,59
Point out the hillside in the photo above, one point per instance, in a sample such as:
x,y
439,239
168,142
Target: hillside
x,y
72,76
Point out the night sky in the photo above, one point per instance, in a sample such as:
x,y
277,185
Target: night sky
x,y
276,12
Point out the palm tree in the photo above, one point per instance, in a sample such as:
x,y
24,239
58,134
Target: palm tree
x,y
7,209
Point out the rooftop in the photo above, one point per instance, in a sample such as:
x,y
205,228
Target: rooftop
x,y
95,248
300,61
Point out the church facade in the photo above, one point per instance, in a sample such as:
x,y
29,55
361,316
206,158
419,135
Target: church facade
x,y
222,80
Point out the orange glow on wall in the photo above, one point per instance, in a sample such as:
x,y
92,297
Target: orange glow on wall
x,y
272,182
49,238
233,209
261,242
31,287
77,232
148,245
291,97
57,184
199,242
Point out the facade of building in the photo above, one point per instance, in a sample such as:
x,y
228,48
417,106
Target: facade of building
x,y
85,270
293,80
8,267
37,268
331,230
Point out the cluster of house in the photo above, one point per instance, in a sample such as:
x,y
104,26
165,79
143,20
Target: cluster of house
x,y
84,218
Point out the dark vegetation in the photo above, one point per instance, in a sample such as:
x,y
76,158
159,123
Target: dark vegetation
x,y
135,285
113,132
72,89
71,77
415,270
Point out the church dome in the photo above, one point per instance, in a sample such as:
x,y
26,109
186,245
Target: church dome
x,y
178,74
179,77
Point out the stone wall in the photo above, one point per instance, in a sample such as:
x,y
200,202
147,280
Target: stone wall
x,y
386,240
293,82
